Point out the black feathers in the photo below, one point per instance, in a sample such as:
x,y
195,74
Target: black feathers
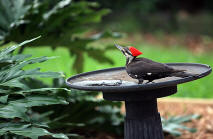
x,y
143,68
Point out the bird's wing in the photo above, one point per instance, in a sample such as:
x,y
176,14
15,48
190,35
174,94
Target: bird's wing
x,y
144,66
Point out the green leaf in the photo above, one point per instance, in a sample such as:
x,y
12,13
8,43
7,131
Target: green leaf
x,y
10,49
14,124
5,127
31,132
42,90
38,100
182,119
13,111
14,83
20,65
8,60
4,91
174,123
34,133
20,57
55,9
12,77
172,131
3,99
18,109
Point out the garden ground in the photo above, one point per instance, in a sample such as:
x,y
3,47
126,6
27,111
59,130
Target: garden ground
x,y
204,125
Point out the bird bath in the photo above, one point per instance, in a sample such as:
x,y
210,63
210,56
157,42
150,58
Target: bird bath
x,y
142,119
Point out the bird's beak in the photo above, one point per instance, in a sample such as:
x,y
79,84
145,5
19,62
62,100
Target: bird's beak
x,y
119,47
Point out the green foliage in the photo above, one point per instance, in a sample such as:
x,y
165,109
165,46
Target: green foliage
x,y
173,124
11,15
133,6
17,96
30,108
60,22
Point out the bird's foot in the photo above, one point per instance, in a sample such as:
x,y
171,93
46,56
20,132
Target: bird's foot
x,y
140,81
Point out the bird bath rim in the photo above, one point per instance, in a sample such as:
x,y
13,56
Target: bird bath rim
x,y
137,87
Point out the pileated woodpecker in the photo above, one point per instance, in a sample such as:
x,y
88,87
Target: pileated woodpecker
x,y
146,69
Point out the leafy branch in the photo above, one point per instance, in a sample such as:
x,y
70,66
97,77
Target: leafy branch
x,y
17,98
62,23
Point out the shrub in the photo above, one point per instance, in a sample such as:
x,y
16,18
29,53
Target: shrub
x,y
19,94
30,108
61,23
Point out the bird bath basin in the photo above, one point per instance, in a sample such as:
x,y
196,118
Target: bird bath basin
x,y
142,118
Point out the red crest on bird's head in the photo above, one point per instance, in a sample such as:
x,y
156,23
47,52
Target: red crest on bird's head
x,y
134,51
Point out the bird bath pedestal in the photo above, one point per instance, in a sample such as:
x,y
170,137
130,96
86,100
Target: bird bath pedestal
x,y
142,119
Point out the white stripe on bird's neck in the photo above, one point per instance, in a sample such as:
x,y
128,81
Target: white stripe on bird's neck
x,y
129,59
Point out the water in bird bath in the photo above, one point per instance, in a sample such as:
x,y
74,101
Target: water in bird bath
x,y
115,78
105,83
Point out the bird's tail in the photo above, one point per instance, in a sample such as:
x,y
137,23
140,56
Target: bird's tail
x,y
183,74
